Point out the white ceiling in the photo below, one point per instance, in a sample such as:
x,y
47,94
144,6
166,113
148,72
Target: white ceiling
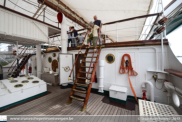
x,y
112,10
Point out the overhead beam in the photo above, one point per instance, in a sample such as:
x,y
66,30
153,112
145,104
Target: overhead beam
x,y
38,10
59,6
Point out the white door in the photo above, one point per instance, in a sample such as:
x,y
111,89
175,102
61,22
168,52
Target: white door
x,y
65,66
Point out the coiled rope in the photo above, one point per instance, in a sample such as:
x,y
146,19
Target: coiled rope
x,y
128,69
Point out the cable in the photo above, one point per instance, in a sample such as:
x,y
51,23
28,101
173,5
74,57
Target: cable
x,y
21,7
31,12
159,82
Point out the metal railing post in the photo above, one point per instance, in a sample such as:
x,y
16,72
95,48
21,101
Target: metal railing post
x,y
163,16
162,48
4,3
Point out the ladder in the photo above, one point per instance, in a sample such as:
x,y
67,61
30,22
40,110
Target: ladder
x,y
21,65
82,85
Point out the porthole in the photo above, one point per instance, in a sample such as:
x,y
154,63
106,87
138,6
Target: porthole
x,y
13,81
36,81
110,58
54,54
18,85
49,59
25,81
30,78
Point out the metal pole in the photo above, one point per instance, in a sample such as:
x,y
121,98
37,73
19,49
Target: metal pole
x,y
44,15
163,16
4,3
162,51
17,59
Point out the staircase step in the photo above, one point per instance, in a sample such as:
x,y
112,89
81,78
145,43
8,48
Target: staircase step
x,y
83,78
92,52
90,56
82,84
85,72
86,67
79,98
89,61
80,90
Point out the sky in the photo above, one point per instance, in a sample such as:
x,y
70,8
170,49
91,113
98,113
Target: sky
x,y
174,38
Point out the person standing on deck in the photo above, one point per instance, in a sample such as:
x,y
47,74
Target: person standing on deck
x,y
69,36
94,35
74,37
98,23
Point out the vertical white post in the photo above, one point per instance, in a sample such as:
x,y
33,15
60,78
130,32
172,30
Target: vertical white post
x,y
64,37
101,76
117,31
39,62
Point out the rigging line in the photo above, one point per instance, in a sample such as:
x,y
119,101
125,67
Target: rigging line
x,y
21,7
152,17
29,3
36,6
51,20
31,12
15,4
48,13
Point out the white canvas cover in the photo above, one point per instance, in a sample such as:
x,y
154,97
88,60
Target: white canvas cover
x,y
112,10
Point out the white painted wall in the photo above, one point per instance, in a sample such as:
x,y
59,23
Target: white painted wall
x,y
175,64
16,25
143,59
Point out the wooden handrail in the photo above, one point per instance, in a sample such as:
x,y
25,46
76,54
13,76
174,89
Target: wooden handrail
x,y
138,17
77,56
92,58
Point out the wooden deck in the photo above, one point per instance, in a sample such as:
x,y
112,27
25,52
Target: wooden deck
x,y
55,104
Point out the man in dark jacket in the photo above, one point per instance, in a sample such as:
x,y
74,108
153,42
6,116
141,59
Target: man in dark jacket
x,y
74,37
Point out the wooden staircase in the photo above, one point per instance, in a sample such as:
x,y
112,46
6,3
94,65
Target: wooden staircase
x,y
78,92
21,65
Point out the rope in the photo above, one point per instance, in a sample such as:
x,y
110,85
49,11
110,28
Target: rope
x,y
128,69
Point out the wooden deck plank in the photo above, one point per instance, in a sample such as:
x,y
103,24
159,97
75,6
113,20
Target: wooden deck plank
x,y
93,103
136,109
55,104
133,113
78,108
60,106
113,112
58,103
90,102
97,110
94,107
100,103
45,105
